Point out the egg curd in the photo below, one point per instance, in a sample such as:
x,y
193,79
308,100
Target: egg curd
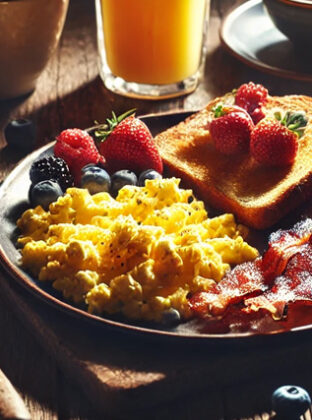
x,y
139,254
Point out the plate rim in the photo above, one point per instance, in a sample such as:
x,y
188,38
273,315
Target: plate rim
x,y
22,278
233,14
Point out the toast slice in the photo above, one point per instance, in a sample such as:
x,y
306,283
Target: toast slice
x,y
258,195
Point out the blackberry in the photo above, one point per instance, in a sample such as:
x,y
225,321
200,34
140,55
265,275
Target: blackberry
x,y
51,168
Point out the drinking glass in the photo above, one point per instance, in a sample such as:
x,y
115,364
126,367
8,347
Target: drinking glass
x,y
151,49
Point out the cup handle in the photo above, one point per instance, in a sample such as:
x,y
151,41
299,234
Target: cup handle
x,y
11,404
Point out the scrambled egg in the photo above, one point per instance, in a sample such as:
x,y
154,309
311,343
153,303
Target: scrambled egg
x,y
139,254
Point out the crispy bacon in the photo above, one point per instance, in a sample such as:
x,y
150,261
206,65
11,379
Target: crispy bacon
x,y
276,258
293,286
244,280
267,286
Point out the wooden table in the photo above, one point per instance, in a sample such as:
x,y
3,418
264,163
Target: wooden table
x,y
70,93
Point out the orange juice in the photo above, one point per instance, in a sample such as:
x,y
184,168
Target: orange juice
x,y
153,41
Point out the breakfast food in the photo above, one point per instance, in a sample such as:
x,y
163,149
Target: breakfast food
x,y
78,149
95,179
148,174
268,285
130,242
231,129
159,48
44,193
258,194
79,160
140,254
272,143
51,167
122,178
251,97
128,143
290,402
21,134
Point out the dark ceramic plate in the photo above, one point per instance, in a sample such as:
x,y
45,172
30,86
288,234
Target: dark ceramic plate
x,y
13,198
249,34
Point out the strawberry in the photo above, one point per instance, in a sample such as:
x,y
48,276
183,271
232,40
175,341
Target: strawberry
x,y
231,129
257,115
251,97
274,141
128,144
78,149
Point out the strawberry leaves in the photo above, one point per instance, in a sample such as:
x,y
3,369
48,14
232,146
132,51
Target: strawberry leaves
x,y
219,111
127,143
294,121
105,130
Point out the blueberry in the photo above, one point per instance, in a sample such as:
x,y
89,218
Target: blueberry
x,y
87,167
95,179
290,401
21,134
148,174
44,193
171,317
121,178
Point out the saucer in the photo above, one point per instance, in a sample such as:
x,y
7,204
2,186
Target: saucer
x,y
249,34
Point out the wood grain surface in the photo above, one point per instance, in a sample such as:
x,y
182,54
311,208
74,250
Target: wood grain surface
x,y
11,404
41,351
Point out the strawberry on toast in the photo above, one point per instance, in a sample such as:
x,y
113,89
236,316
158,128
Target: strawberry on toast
x,y
258,193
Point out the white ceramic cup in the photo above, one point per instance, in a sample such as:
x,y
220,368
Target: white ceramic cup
x,y
30,31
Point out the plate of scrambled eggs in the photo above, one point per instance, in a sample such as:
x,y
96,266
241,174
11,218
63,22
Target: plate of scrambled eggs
x,y
124,261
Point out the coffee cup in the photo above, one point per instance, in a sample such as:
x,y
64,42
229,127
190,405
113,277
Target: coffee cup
x,y
30,31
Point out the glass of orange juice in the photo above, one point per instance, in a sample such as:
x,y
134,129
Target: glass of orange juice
x,y
151,49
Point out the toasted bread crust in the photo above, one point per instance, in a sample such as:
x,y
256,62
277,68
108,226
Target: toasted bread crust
x,y
258,195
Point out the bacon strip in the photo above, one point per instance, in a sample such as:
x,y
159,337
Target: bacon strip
x,y
294,286
244,280
276,258
282,276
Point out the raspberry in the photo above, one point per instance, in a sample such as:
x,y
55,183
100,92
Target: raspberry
x,y
51,168
272,143
251,97
78,149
